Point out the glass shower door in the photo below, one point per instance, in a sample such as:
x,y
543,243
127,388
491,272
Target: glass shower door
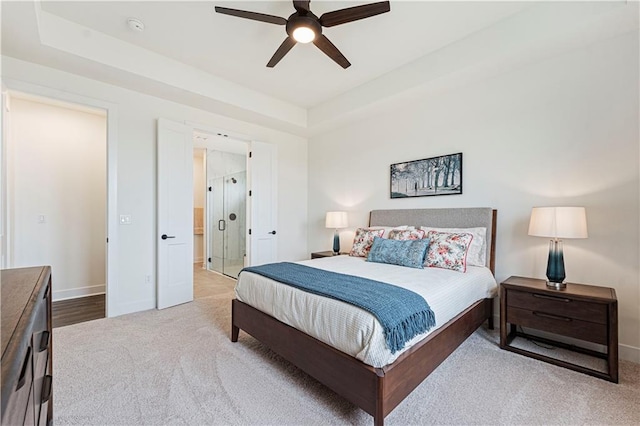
x,y
216,226
234,213
227,207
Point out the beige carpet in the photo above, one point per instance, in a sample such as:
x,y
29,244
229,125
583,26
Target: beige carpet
x,y
177,366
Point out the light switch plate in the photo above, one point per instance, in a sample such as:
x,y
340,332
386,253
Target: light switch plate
x,y
125,219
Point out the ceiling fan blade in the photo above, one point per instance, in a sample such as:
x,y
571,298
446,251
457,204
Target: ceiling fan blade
x,y
271,19
355,13
331,51
301,6
285,47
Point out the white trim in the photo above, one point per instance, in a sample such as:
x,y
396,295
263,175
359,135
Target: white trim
x,y
132,307
629,353
58,103
4,190
74,293
7,185
111,287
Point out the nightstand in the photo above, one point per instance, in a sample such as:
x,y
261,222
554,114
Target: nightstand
x,y
319,254
585,312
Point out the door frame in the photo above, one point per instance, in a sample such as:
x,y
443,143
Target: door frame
x,y
111,279
239,137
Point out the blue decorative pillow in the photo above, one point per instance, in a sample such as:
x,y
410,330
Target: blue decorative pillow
x,y
409,253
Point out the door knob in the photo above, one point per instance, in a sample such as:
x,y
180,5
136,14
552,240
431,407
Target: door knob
x,y
165,236
273,232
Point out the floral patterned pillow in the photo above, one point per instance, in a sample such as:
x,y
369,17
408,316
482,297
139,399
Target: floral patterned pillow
x,y
478,249
388,229
448,250
406,234
363,240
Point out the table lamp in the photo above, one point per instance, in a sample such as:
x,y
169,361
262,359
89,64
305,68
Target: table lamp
x,y
557,223
336,220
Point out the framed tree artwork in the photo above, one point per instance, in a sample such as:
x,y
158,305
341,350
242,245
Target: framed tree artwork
x,y
431,176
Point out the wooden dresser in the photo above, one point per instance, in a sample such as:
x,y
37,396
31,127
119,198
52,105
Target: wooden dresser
x,y
26,346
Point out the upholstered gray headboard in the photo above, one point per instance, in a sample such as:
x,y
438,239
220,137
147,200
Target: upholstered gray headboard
x,y
443,218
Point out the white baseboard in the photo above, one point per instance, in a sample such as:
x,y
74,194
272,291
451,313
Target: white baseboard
x,y
74,293
629,353
131,307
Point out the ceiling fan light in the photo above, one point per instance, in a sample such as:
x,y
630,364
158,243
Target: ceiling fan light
x,y
304,34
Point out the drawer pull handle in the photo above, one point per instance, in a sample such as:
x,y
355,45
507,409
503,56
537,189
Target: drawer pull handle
x,y
47,381
44,340
559,299
23,372
543,315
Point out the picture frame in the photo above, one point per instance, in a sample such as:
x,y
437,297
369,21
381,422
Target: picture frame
x,y
428,177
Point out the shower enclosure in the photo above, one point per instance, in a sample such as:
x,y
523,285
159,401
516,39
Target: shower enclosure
x,y
227,210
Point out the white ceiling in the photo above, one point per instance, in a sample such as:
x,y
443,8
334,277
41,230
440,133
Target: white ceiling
x,y
238,49
190,54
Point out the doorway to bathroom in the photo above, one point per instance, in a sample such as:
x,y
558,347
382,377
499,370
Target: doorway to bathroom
x,y
221,166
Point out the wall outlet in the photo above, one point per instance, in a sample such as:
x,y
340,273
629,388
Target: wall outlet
x,y
147,279
42,219
125,219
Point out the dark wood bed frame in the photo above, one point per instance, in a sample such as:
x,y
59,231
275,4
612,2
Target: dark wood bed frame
x,y
375,390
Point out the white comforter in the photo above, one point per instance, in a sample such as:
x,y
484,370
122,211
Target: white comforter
x,y
355,331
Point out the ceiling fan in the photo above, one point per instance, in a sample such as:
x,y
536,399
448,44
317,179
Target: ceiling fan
x,y
304,27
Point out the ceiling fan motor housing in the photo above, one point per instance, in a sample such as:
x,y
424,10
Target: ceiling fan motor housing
x,y
309,20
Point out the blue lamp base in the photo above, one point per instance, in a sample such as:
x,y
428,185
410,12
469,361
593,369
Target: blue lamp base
x,y
555,266
336,243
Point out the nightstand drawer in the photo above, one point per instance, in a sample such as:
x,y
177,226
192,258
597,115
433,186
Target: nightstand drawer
x,y
559,324
584,312
559,305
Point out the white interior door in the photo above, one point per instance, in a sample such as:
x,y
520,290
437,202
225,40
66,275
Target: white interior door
x,y
175,214
263,246
4,120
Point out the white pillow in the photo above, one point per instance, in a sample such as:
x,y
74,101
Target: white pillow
x,y
477,255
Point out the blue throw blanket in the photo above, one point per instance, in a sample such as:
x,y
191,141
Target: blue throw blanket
x,y
402,313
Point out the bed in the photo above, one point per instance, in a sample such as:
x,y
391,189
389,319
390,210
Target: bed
x,y
378,390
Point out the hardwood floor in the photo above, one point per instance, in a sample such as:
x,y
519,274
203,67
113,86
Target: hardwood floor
x,y
73,311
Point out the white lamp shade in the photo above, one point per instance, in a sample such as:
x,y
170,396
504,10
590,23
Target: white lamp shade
x,y
336,220
558,222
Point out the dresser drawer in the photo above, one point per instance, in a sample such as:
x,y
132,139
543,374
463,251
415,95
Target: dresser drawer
x,y
559,324
42,387
26,346
42,379
18,410
41,336
558,305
